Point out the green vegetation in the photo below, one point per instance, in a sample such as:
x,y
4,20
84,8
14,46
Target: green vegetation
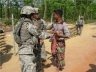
x,y
71,9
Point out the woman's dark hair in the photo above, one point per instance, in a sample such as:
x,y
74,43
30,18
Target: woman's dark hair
x,y
59,12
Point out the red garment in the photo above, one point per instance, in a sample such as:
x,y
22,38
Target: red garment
x,y
53,45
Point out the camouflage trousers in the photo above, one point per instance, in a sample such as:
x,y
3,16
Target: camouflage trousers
x,y
26,62
43,52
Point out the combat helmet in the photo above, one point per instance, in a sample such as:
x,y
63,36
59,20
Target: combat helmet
x,y
36,10
27,10
81,17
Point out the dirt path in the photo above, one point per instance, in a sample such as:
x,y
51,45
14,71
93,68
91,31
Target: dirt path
x,y
80,53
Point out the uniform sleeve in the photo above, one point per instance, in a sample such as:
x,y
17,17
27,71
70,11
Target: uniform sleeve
x,y
38,33
66,31
46,26
32,29
45,35
43,22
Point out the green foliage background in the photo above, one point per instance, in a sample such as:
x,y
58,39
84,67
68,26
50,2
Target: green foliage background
x,y
71,9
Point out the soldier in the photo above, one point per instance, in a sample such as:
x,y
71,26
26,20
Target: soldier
x,y
27,37
79,25
42,25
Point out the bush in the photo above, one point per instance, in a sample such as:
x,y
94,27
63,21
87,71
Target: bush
x,y
89,21
9,21
15,21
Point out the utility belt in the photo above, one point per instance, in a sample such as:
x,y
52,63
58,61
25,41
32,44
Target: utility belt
x,y
30,40
60,40
79,25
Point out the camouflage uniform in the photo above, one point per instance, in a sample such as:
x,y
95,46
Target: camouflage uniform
x,y
42,25
79,24
29,49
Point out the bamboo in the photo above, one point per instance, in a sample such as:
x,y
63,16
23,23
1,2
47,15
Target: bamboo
x,y
2,40
2,34
2,45
2,37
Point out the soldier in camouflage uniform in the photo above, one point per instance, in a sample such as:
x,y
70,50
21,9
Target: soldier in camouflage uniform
x,y
42,25
79,25
29,47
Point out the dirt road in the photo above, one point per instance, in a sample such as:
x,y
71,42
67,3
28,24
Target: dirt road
x,y
80,55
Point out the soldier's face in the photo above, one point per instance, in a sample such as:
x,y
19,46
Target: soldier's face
x,y
37,15
33,17
55,15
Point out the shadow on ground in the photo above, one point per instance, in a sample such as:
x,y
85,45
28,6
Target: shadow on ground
x,y
48,53
5,55
6,49
52,61
93,28
49,64
93,68
94,36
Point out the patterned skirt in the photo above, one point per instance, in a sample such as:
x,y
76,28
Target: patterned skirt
x,y
58,58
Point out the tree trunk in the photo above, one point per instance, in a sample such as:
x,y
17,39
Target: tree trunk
x,y
75,12
91,15
45,10
0,9
7,10
34,3
87,16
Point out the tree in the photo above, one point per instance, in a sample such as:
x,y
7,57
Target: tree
x,y
45,8
0,9
71,8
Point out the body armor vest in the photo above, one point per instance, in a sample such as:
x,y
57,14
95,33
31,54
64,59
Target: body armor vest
x,y
24,33
38,24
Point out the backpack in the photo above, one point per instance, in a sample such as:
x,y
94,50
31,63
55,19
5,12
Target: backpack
x,y
16,33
